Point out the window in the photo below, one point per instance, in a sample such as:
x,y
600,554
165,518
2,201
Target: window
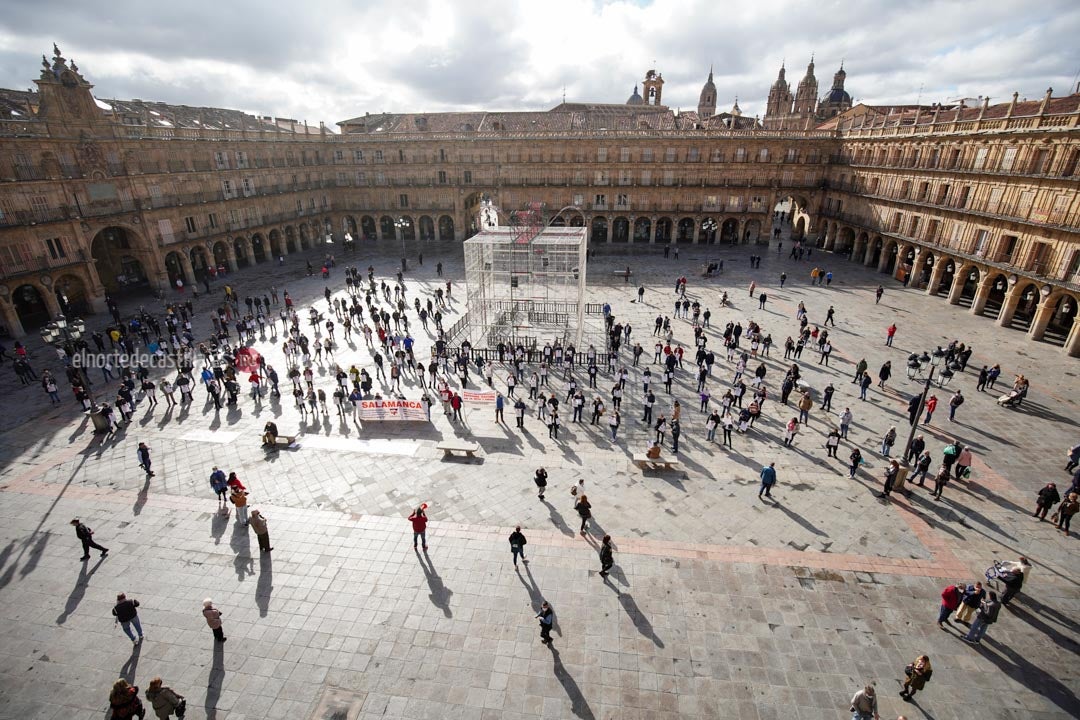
x,y
403,200
646,177
994,203
442,155
40,205
980,158
982,239
624,154
669,177
339,155
792,155
1006,248
622,201
442,176
579,200
740,155
763,155
670,155
401,156
600,177
361,178
468,177
241,159
601,154
211,220
358,156
693,155
221,161
300,206
646,155
625,177
1008,159
226,189
380,178
717,155
378,156
1038,163
579,177
964,192
56,248
1072,269
189,224
942,195
249,187
600,202
165,228
711,202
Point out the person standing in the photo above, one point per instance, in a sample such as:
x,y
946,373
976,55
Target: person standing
x,y
887,441
676,431
768,479
918,674
126,613
165,700
864,704
517,545
213,619
85,535
951,597
931,406
607,558
969,603
584,511
519,408
541,481
262,533
854,461
984,618
239,499
419,525
832,442
955,402
1047,498
845,422
219,485
143,454
546,617
1014,578
499,403
124,701
890,479
890,334
963,462
613,423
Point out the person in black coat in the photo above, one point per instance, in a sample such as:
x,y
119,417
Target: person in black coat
x,y
1047,499
607,558
85,535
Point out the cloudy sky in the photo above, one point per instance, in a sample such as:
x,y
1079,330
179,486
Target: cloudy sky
x,y
332,59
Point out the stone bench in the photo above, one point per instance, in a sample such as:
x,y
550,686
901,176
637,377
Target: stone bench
x,y
449,447
642,460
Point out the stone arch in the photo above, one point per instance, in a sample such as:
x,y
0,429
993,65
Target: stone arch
x,y
290,239
752,233
327,234
599,230
874,251
558,221
971,274
1026,306
663,230
905,260
620,230
577,220
30,307
348,224
199,261
72,296
729,231
798,230
120,258
240,249
221,254
949,266
845,241
386,228
367,227
995,299
1061,321
427,228
708,229
174,267
862,247
408,232
642,230
305,237
446,228
925,271
890,260
277,247
684,232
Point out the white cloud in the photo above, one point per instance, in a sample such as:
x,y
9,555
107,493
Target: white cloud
x,y
336,59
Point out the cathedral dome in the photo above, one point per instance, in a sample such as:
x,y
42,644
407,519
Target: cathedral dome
x,y
837,96
635,99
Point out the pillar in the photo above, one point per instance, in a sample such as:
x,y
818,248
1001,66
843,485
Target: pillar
x,y
230,256
1041,320
1072,343
697,231
935,275
48,294
1008,306
868,260
185,266
11,318
830,238
652,230
916,268
886,254
958,282
978,303
610,229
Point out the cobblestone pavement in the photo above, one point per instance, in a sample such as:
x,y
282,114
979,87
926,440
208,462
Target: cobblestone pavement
x,y
721,605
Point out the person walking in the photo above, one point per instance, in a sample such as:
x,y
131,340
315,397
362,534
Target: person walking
x,y
969,603
220,487
584,511
986,616
1014,578
890,334
419,525
213,619
768,479
239,498
1066,511
963,462
854,461
143,453
918,674
86,537
607,558
887,441
931,406
126,613
124,701
164,700
546,617
517,545
262,533
540,478
864,705
951,597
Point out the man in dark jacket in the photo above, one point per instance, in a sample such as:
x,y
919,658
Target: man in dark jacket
x,y
517,545
126,614
607,558
144,459
85,535
987,615
1048,498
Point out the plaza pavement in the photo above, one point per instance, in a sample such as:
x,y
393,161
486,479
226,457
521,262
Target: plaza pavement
x,y
721,605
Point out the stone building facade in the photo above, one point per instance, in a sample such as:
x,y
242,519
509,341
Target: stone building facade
x,y
109,197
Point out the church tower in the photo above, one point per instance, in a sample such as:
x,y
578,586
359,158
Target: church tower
x,y
837,100
64,94
706,106
806,95
779,103
653,87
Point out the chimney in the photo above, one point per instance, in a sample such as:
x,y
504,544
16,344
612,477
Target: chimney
x,y
1012,105
985,106
1046,101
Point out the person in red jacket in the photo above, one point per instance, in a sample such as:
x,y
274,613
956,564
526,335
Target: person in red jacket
x,y
950,600
931,406
419,526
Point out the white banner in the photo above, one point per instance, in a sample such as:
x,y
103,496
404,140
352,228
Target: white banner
x,y
478,396
402,410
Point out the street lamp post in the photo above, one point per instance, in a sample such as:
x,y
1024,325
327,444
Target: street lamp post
x,y
63,334
402,223
914,364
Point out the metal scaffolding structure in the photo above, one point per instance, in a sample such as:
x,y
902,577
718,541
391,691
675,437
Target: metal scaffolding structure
x,y
525,284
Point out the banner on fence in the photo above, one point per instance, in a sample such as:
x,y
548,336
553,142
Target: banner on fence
x,y
399,410
473,396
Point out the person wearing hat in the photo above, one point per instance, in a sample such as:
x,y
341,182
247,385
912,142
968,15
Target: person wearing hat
x,y
213,619
258,524
85,535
